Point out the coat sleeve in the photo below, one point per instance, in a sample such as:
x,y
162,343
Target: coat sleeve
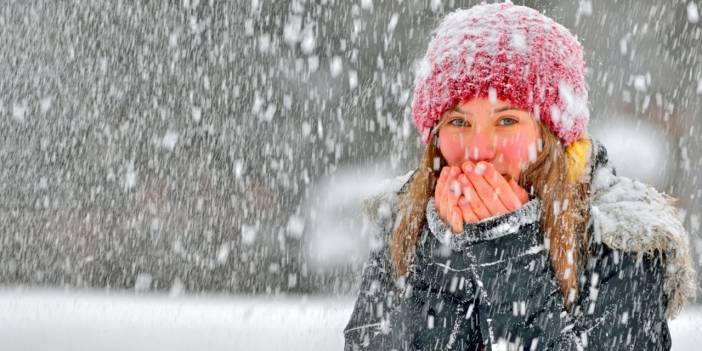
x,y
624,306
367,328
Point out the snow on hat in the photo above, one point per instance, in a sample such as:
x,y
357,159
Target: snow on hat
x,y
509,52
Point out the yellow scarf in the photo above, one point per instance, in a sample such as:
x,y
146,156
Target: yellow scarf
x,y
576,154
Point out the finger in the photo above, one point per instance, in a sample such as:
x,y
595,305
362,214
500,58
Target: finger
x,y
473,199
486,192
521,193
455,171
440,185
442,179
454,192
468,166
456,220
445,202
468,215
451,176
443,205
504,191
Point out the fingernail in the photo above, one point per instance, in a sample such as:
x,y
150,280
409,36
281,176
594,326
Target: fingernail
x,y
480,168
455,188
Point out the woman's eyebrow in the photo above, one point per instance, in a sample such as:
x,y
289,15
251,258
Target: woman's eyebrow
x,y
506,108
458,109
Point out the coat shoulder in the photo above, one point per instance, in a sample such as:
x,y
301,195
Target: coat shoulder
x,y
634,217
378,207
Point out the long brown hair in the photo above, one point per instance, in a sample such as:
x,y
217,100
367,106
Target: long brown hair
x,y
564,211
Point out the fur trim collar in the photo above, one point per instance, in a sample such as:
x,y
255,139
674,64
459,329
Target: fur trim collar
x,y
379,207
633,216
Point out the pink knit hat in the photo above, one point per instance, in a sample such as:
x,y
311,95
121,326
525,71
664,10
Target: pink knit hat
x,y
509,52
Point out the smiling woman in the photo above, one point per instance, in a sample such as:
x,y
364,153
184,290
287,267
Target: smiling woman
x,y
515,231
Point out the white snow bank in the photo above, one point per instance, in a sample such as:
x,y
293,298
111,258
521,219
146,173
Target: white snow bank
x,y
51,320
48,320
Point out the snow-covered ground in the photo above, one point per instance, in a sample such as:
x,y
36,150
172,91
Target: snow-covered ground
x,y
50,320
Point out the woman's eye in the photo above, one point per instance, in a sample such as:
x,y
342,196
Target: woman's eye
x,y
458,122
507,121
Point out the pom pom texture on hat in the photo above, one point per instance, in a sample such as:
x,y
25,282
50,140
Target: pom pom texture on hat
x,y
508,52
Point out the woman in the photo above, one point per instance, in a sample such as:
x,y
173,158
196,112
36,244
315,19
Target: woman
x,y
515,232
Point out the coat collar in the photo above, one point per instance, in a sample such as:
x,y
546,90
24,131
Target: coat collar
x,y
487,229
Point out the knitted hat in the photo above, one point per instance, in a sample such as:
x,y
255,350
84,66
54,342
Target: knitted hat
x,y
508,52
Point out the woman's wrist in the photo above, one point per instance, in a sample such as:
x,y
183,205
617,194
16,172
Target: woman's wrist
x,y
487,229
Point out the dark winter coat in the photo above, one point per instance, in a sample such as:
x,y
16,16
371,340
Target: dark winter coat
x,y
494,286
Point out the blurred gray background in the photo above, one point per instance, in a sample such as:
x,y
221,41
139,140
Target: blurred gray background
x,y
211,146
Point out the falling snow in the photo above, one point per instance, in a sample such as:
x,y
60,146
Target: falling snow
x,y
195,147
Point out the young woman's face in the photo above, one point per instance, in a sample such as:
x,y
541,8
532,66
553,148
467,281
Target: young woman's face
x,y
495,132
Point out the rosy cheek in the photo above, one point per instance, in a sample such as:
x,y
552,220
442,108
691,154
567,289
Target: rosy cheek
x,y
452,148
517,152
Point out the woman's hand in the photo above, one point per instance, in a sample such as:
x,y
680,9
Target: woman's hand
x,y
486,193
447,193
475,192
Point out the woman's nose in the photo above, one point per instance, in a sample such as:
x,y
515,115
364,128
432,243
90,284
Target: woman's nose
x,y
481,147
